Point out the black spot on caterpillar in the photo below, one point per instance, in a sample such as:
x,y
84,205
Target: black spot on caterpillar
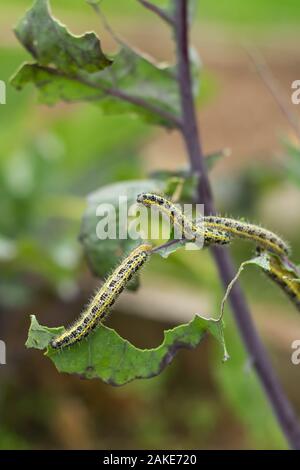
x,y
260,236
216,229
187,227
104,298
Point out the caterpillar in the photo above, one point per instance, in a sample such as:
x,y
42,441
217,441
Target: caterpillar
x,y
187,227
286,279
216,229
263,238
99,306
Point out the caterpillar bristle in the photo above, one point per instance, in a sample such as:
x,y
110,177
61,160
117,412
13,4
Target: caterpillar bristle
x,y
100,305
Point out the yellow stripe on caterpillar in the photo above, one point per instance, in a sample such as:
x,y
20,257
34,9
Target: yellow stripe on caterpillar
x,y
187,228
101,303
261,237
287,280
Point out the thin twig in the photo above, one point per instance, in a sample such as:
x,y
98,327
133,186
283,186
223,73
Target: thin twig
x,y
169,243
258,355
123,43
270,81
158,11
118,39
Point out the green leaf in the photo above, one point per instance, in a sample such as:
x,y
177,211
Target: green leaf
x,y
270,264
107,356
263,261
103,255
166,250
292,162
54,86
72,69
40,336
181,181
50,43
213,158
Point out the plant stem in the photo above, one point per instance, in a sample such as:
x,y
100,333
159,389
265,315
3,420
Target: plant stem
x,y
158,11
256,350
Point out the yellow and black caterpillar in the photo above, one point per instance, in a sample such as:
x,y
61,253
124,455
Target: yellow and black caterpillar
x,y
287,280
214,229
187,228
263,238
221,230
104,299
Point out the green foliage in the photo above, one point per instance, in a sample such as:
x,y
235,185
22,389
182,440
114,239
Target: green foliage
x,y
103,255
263,261
281,270
265,14
44,172
50,43
241,390
255,13
80,71
180,181
128,83
116,361
292,162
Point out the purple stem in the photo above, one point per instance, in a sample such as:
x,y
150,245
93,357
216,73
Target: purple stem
x,y
256,350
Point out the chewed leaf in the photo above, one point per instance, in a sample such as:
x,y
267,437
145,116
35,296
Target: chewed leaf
x,y
50,43
40,336
53,85
279,269
263,261
107,356
71,69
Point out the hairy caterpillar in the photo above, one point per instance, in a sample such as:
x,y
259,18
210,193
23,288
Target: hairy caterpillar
x,y
104,299
262,237
217,229
287,280
187,227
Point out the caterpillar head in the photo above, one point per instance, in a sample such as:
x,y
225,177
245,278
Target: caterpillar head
x,y
147,199
54,344
144,249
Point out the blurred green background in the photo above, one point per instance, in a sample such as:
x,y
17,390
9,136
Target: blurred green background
x,y
50,158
